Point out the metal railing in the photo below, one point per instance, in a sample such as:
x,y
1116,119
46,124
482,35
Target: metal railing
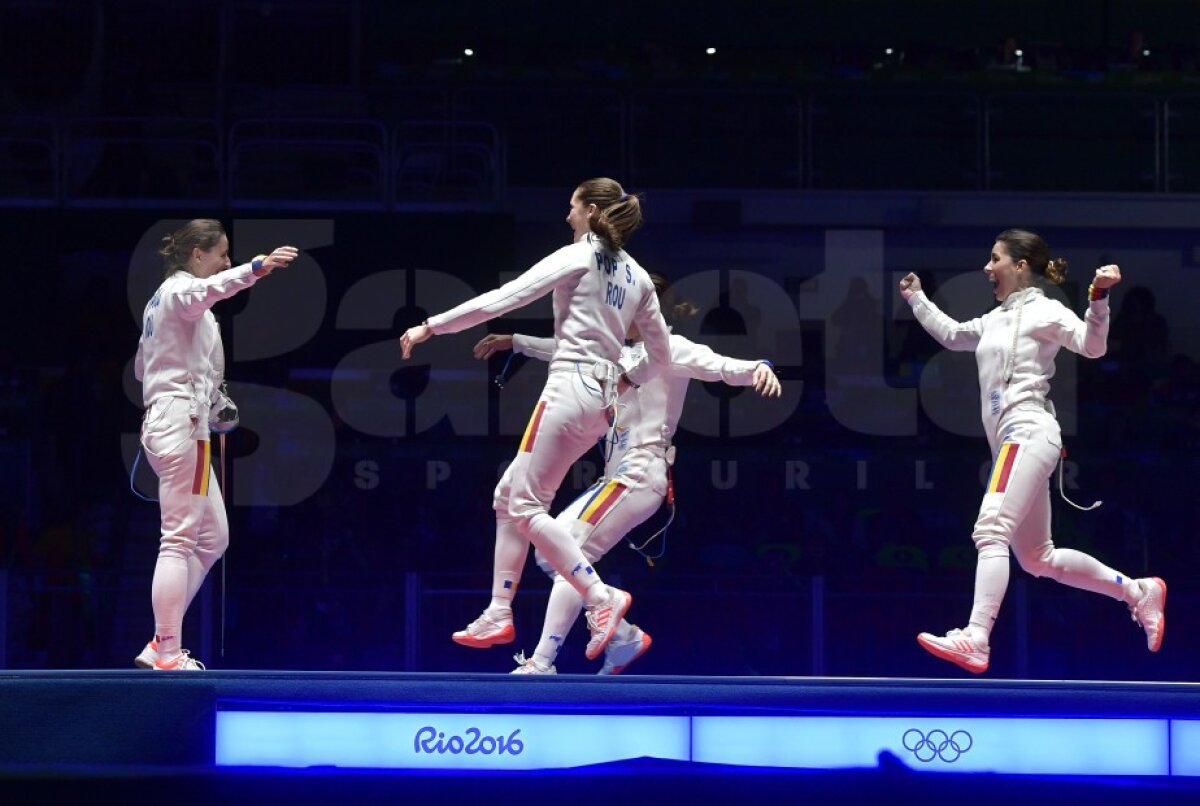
x,y
493,139
446,162
161,161
299,162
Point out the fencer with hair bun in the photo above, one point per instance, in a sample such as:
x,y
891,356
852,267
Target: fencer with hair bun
x,y
1015,345
181,365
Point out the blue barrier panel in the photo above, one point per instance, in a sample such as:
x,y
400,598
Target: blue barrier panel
x,y
444,741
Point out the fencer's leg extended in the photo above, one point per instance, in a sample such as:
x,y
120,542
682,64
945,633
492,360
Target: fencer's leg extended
x,y
562,429
562,610
617,509
1016,512
1037,554
597,520
565,603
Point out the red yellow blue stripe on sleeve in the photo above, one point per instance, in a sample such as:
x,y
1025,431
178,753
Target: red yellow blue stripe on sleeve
x,y
1002,469
604,500
531,430
203,462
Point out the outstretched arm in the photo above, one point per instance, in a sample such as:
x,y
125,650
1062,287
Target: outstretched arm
x,y
701,362
950,333
531,285
200,294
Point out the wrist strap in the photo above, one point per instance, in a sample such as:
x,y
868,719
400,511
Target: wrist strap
x,y
1095,293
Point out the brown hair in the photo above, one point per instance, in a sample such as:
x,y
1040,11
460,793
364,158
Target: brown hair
x,y
177,247
673,310
1029,246
620,213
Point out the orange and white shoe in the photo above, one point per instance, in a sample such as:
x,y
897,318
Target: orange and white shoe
x,y
603,620
184,662
958,647
149,654
491,628
1150,611
620,654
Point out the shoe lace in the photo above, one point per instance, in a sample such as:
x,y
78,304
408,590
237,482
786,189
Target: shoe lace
x,y
959,632
186,661
1136,616
531,664
484,623
1135,608
597,617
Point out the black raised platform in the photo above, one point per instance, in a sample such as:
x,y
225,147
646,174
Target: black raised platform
x,y
60,727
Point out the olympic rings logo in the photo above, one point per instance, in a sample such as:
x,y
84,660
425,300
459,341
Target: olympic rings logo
x,y
937,744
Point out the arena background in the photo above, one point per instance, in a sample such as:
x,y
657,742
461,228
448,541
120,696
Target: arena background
x,y
789,179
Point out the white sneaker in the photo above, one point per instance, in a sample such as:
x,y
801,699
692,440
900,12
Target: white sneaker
x,y
620,654
491,628
530,666
184,663
149,654
603,619
1150,611
958,647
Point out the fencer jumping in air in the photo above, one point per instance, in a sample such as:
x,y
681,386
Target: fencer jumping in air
x,y
599,291
637,474
1015,345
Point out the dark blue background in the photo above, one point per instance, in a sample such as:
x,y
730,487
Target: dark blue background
x,y
132,115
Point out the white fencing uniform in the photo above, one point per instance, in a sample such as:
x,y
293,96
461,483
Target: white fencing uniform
x,y
597,294
1015,345
179,362
635,479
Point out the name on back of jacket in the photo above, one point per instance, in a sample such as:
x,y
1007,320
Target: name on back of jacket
x,y
614,294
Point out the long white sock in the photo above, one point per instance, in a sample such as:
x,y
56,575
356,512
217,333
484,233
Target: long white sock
x,y
168,596
562,611
1085,572
556,544
1132,589
196,576
197,573
512,548
991,582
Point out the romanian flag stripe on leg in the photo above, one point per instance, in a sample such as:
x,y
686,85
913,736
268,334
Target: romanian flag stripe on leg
x,y
598,488
602,502
531,430
203,460
1002,469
